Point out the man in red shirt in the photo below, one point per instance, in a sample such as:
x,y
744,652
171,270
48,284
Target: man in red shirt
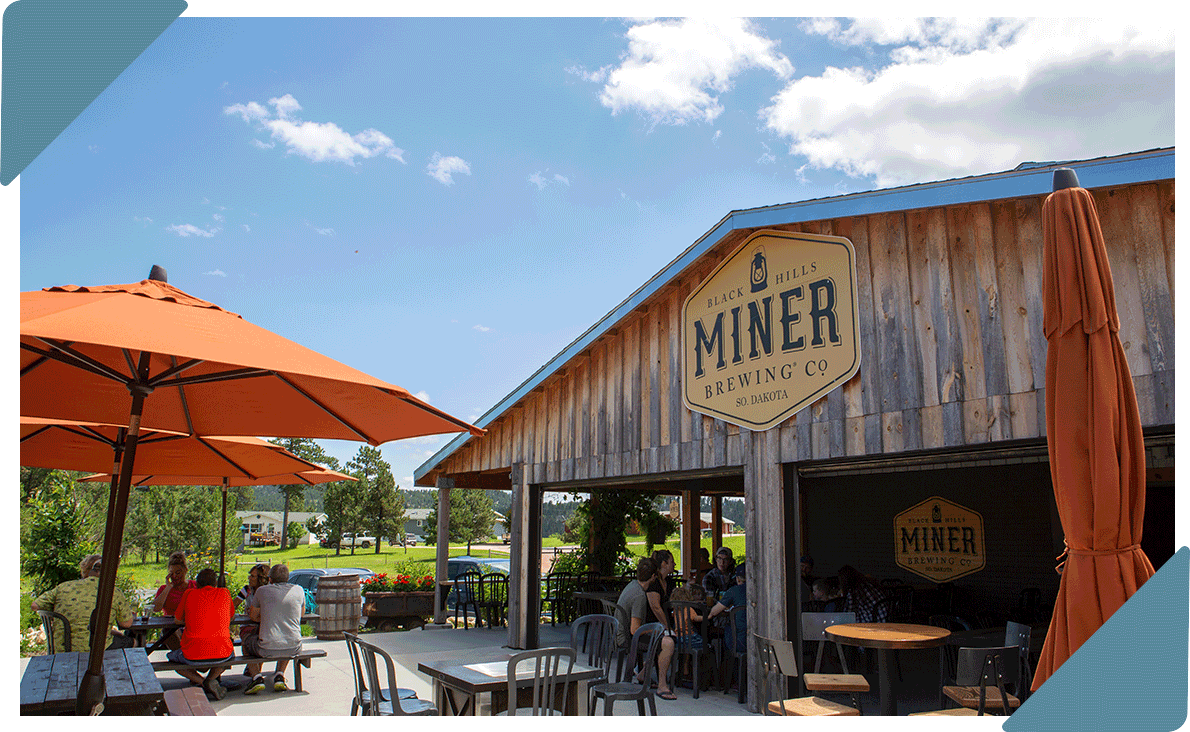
x,y
206,611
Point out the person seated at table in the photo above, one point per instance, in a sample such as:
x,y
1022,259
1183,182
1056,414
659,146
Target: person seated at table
x,y
632,611
826,590
688,593
75,600
257,576
660,588
736,595
808,571
169,595
719,579
704,565
862,595
206,612
278,608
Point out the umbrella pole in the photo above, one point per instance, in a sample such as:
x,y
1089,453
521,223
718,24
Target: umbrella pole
x,y
223,533
92,689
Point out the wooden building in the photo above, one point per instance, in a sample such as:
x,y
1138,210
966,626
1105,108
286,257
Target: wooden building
x,y
948,400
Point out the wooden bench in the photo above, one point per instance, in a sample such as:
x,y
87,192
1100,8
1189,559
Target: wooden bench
x,y
299,660
188,702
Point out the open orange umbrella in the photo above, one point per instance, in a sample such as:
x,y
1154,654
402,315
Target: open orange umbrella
x,y
306,477
1096,449
47,443
152,355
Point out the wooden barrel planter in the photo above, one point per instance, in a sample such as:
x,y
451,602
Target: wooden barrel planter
x,y
387,610
338,601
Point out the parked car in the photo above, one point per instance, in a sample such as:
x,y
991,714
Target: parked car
x,y
458,565
307,579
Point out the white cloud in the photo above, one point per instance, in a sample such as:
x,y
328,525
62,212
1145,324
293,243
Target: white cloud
x,y
673,70
562,179
481,328
144,220
423,396
969,96
327,231
206,201
442,169
190,230
245,227
598,76
767,157
217,217
316,141
715,137
216,273
538,181
94,148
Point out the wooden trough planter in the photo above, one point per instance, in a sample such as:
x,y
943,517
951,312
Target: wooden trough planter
x,y
388,610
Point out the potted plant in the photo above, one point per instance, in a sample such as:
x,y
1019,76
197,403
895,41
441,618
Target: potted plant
x,y
397,599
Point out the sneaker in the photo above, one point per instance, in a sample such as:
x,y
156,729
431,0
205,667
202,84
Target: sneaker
x,y
213,689
279,683
256,686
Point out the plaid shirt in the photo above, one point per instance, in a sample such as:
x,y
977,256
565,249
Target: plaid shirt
x,y
865,601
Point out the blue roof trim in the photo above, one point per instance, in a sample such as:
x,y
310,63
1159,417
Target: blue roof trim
x,y
1033,181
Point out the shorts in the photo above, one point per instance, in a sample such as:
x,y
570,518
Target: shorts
x,y
251,646
690,642
176,656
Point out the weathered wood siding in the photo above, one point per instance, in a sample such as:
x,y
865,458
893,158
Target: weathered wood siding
x,y
952,350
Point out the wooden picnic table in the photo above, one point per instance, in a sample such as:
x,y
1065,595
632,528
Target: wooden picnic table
x,y
168,625
50,683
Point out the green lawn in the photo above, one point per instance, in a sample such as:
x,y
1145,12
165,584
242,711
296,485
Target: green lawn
x,y
636,546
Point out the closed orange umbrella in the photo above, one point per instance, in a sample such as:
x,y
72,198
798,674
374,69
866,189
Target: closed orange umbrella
x,y
1096,449
151,355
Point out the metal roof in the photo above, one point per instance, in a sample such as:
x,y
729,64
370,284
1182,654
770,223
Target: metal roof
x,y
1027,179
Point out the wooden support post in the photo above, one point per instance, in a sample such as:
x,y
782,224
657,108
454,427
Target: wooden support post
x,y
716,525
764,518
442,550
690,532
522,564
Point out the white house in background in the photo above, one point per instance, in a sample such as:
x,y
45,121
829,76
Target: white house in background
x,y
415,521
269,522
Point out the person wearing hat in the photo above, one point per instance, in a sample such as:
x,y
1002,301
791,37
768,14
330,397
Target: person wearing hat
x,y
719,579
75,600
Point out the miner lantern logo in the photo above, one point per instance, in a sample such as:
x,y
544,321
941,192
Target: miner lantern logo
x,y
773,328
760,272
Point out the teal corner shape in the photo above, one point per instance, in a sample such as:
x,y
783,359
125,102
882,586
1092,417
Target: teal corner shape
x,y
59,55
1131,674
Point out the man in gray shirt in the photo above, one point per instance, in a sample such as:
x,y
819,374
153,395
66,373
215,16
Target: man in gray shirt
x,y
278,608
632,609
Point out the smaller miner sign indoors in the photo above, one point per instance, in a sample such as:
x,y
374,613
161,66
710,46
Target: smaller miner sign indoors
x,y
939,540
772,329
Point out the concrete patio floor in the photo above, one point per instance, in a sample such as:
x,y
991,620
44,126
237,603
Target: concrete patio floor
x,y
327,687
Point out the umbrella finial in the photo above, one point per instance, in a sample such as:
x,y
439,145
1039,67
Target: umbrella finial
x,y
1065,178
158,273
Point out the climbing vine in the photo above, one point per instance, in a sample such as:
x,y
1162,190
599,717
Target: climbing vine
x,y
607,515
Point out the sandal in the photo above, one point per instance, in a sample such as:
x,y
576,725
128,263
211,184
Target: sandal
x,y
668,695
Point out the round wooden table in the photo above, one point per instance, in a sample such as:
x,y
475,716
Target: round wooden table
x,y
886,637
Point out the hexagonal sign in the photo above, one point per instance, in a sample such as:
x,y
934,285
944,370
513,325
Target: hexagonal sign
x,y
939,540
772,329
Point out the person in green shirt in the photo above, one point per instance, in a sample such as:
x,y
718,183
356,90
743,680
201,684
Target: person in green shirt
x,y
75,600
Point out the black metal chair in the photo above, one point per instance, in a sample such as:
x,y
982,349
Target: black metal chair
x,y
363,695
646,639
980,678
48,617
468,591
692,641
494,598
778,663
738,652
814,627
1021,636
954,624
394,707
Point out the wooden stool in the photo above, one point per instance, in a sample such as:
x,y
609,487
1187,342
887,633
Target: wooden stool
x,y
968,696
812,706
960,712
853,684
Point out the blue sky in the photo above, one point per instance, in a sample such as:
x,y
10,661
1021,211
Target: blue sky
x,y
447,203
